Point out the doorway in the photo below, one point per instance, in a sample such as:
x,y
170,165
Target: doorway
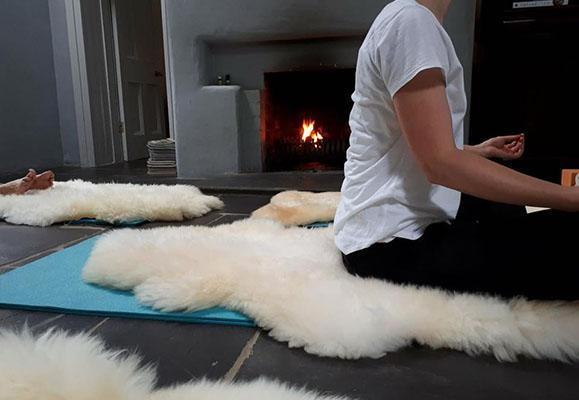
x,y
140,72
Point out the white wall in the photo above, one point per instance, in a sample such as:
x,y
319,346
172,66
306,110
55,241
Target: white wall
x,y
29,122
44,114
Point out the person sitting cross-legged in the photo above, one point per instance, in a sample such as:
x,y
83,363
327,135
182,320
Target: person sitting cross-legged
x,y
419,206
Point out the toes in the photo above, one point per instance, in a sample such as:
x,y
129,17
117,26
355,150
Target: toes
x,y
29,176
45,180
48,175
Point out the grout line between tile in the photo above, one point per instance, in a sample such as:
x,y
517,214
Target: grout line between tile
x,y
215,220
218,216
246,352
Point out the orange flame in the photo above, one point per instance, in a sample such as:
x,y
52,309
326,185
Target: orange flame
x,y
309,133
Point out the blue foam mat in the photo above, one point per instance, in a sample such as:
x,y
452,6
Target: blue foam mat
x,y
98,222
54,284
317,225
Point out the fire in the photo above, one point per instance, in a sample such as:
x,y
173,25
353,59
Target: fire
x,y
310,134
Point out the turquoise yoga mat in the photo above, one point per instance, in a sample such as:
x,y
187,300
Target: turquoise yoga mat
x,y
54,284
98,222
317,225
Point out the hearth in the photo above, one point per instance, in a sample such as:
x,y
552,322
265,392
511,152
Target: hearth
x,y
304,119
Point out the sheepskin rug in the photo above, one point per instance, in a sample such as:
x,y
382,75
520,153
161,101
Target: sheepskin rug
x,y
109,202
294,208
292,282
59,366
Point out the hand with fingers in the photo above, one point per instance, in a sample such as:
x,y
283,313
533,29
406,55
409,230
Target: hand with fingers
x,y
504,147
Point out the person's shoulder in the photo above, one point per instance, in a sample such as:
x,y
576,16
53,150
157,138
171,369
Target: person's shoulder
x,y
413,14
401,15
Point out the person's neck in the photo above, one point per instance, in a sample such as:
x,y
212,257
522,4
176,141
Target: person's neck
x,y
438,7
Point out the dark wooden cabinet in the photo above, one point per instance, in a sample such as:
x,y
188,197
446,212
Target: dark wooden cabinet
x,y
526,79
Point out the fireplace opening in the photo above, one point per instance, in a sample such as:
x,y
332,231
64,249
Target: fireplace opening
x,y
304,119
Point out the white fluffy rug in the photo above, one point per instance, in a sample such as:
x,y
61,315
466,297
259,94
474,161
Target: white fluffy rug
x,y
110,202
300,208
57,366
293,208
293,283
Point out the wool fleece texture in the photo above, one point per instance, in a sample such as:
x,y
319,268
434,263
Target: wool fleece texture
x,y
292,282
59,366
294,208
109,202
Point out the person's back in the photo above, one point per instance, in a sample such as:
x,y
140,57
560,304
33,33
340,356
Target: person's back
x,y
385,193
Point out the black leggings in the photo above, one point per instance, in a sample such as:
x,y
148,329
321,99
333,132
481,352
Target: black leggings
x,y
490,248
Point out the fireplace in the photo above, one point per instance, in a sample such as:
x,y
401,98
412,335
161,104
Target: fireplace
x,y
304,119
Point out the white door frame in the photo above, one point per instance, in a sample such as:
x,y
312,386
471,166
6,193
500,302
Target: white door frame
x,y
168,69
117,57
80,83
112,82
79,29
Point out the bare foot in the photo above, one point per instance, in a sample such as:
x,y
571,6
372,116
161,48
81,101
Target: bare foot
x,y
43,181
19,186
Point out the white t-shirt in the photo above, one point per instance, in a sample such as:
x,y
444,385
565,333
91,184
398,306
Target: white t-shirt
x,y
385,193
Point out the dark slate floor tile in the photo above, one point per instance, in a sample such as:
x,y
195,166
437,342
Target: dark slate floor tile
x,y
275,181
228,219
243,203
415,373
75,323
5,314
18,242
40,322
181,351
240,205
30,319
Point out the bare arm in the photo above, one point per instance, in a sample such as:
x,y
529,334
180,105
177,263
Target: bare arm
x,y
431,140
